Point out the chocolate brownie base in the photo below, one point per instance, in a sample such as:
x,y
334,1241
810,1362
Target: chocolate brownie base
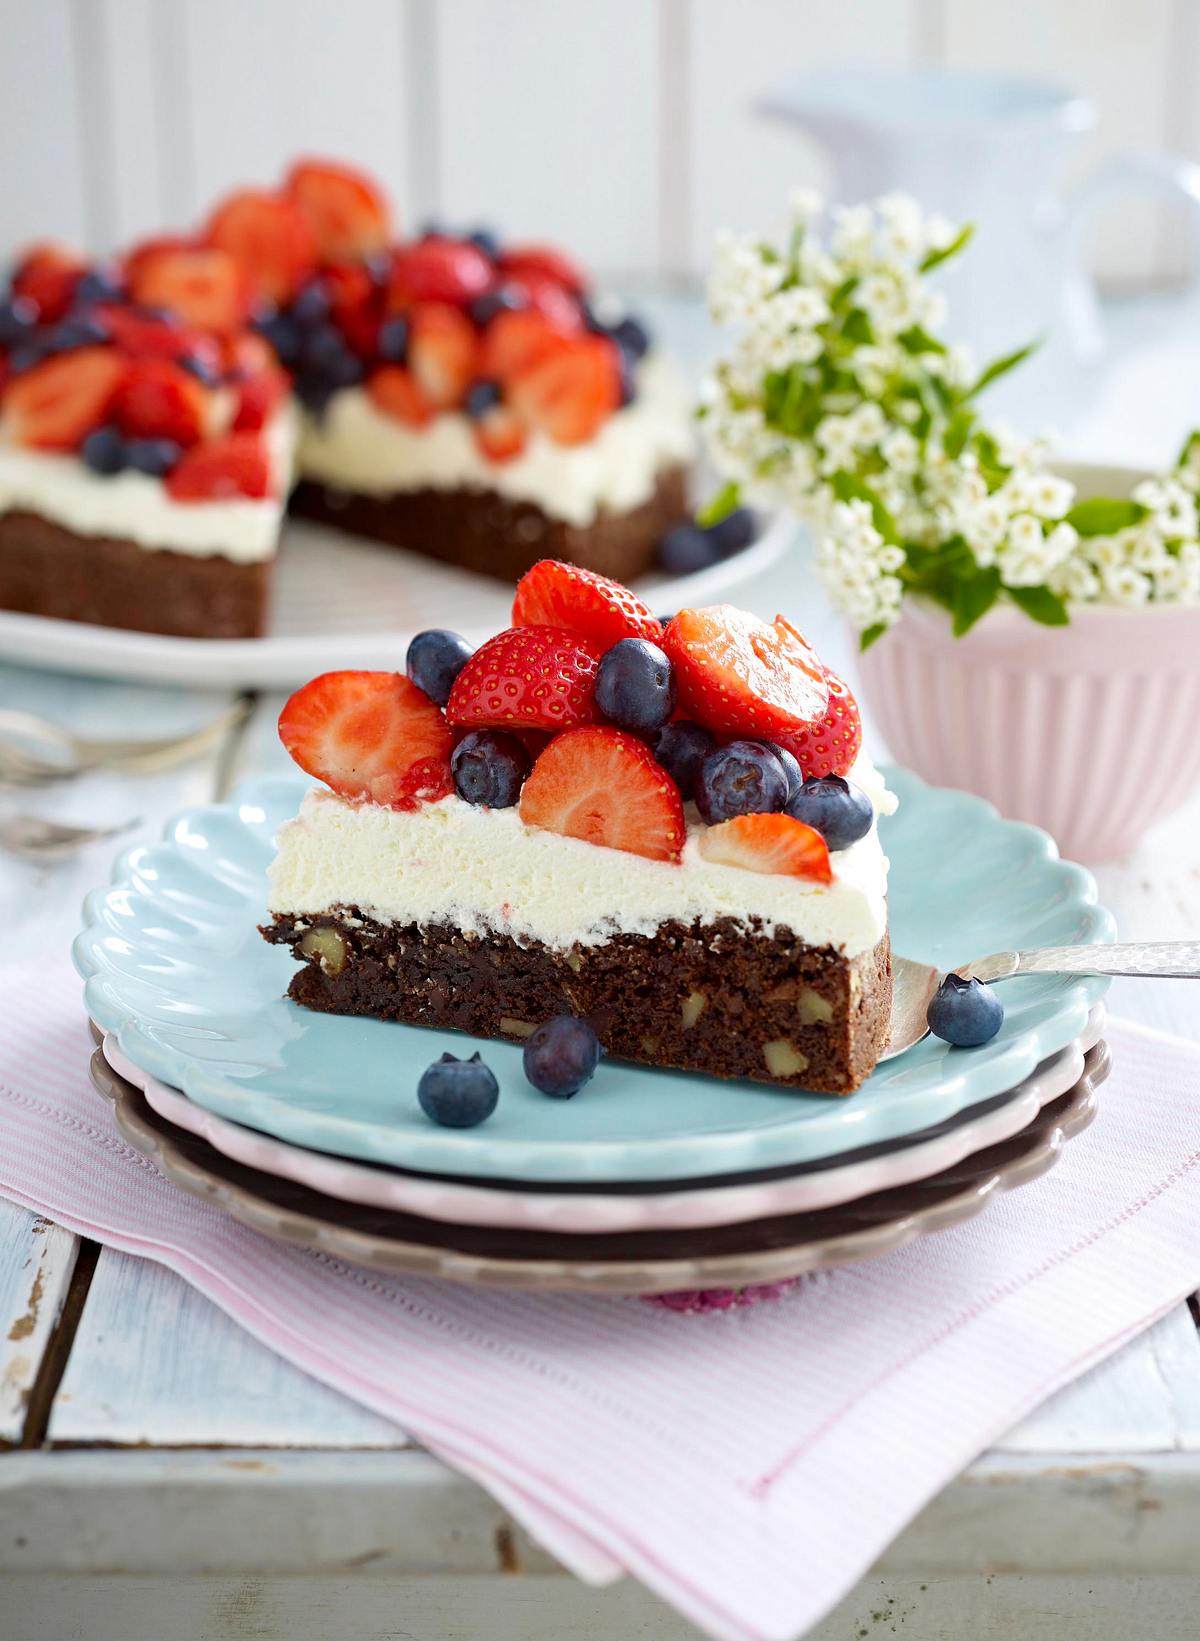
x,y
480,530
701,997
48,570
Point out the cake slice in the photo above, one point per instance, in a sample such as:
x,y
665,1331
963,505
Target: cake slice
x,y
669,832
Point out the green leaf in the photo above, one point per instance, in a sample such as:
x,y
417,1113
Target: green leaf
x,y
1001,367
848,487
1041,604
934,259
843,293
958,431
869,634
974,596
916,339
1105,515
858,327
1189,444
720,506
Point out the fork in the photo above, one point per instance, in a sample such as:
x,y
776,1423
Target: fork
x,y
33,838
63,755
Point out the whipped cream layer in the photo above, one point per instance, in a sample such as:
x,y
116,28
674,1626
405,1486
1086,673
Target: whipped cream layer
x,y
357,447
136,507
485,872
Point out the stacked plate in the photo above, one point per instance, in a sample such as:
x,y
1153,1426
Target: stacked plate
x,y
307,1126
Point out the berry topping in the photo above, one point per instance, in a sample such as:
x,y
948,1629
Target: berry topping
x,y
392,340
458,1093
543,262
439,270
202,284
434,660
768,843
397,393
499,434
735,531
829,746
634,686
681,747
486,240
532,677
155,457
516,341
686,549
630,336
572,391
18,321
840,812
371,735
738,675
561,1056
104,450
144,336
442,352
504,299
742,778
794,773
259,397
160,400
102,284
347,215
75,331
227,469
483,396
553,594
269,239
603,786
964,1013
554,304
489,768
57,403
48,276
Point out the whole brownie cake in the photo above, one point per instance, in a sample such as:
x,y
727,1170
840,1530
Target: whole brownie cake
x,y
669,831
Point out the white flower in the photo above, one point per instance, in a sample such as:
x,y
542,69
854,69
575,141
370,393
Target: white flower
x,y
900,450
867,425
835,435
1047,495
1074,580
853,234
1172,507
805,204
1127,586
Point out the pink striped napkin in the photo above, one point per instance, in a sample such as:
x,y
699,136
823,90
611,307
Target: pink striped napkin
x,y
720,1458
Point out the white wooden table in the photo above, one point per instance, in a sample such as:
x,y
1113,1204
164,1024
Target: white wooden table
x,y
164,1477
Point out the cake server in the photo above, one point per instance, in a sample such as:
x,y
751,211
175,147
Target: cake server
x,y
35,750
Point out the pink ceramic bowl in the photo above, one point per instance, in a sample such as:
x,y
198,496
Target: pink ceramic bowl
x,y
1091,731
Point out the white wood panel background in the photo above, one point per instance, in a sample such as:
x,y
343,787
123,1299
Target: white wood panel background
x,y
619,126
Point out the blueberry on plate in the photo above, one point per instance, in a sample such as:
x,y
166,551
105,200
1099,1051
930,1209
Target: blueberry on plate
x,y
735,531
392,341
561,1056
434,660
681,748
153,456
489,768
458,1093
742,778
686,549
635,686
965,1013
833,806
104,450
483,396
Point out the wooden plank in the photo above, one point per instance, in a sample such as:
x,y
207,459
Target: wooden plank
x,y
36,1262
41,133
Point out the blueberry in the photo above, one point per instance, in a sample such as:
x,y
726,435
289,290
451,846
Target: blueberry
x,y
18,321
104,450
99,285
25,357
735,531
627,378
489,768
743,778
431,229
681,748
283,335
502,300
458,1093
434,660
483,396
793,771
77,331
203,369
392,341
965,1012
314,392
687,548
635,686
153,456
833,806
485,240
310,307
561,1056
631,337
326,354
161,316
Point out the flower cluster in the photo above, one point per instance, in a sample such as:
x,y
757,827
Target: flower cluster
x,y
840,401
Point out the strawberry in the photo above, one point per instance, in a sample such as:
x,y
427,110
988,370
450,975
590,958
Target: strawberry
x,y
246,354
560,595
269,239
47,275
259,398
202,284
572,392
160,400
741,676
543,262
438,270
768,843
538,677
442,350
355,305
555,305
226,469
58,403
370,735
145,249
144,337
829,746
346,211
500,436
603,786
396,392
515,341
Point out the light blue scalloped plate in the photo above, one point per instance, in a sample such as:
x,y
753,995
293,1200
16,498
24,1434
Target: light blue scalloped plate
x,y
174,966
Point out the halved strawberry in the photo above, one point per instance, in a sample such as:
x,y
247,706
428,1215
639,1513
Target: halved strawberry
x,y
355,305
269,238
515,341
604,786
259,397
47,275
555,305
160,400
372,736
439,270
397,393
142,336
543,262
345,209
738,675
829,746
569,394
145,249
562,595
768,843
538,677
58,403
202,284
227,469
442,351
246,354
500,435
